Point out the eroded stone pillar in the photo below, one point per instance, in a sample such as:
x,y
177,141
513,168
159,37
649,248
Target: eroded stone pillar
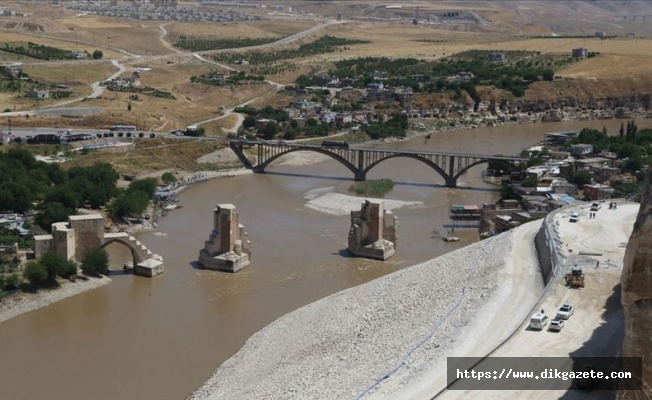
x,y
228,247
373,231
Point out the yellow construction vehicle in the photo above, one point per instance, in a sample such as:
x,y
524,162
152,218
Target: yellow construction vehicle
x,y
575,278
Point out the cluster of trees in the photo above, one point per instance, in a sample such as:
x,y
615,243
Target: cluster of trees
x,y
135,199
632,146
325,44
514,77
36,50
150,91
267,112
91,187
194,42
396,126
27,184
51,266
46,270
233,79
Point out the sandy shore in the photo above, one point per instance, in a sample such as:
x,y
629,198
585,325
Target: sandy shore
x,y
21,303
328,201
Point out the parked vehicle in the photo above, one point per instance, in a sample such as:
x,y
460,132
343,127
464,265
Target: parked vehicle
x,y
574,217
575,278
565,311
335,143
46,138
538,321
596,206
556,325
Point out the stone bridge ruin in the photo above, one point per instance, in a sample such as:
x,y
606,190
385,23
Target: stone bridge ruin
x,y
82,233
373,231
228,247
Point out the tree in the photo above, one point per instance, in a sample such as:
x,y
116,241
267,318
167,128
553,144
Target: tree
x,y
269,130
168,177
548,75
530,181
57,265
98,54
95,261
249,121
51,213
581,178
629,150
35,273
508,192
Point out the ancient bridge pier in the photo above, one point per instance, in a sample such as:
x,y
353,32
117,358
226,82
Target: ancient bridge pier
x,y
82,233
450,166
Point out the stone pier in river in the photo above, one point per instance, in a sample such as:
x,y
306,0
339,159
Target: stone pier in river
x,y
373,231
228,247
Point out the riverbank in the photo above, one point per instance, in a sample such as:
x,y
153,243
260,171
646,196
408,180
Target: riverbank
x,y
397,325
23,302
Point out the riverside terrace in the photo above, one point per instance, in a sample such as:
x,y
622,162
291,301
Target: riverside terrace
x,y
361,160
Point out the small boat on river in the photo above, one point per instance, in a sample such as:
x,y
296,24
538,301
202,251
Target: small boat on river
x,y
450,239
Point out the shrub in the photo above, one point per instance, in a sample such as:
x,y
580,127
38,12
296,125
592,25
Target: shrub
x,y
95,261
57,265
373,188
168,177
11,282
36,273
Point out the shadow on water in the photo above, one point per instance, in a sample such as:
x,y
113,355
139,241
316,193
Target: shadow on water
x,y
118,272
196,265
397,183
606,341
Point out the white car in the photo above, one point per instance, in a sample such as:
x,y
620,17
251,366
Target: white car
x,y
565,311
596,206
556,325
574,217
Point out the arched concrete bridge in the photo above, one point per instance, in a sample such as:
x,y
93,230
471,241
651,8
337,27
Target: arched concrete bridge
x,y
360,161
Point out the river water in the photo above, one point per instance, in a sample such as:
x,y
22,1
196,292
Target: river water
x,y
161,338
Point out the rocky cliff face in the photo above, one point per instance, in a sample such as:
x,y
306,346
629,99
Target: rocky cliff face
x,y
637,292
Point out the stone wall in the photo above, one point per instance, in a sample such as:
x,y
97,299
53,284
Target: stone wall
x,y
89,232
636,286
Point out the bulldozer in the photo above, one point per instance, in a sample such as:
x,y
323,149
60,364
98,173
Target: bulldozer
x,y
575,278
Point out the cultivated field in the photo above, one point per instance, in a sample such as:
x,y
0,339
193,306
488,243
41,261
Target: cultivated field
x,y
248,29
71,73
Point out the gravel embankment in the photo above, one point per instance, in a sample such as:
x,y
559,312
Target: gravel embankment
x,y
339,346
21,303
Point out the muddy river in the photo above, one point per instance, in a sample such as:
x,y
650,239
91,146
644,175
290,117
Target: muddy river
x,y
140,338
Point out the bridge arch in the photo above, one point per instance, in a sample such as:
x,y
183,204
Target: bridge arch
x,y
483,161
440,171
125,242
261,167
